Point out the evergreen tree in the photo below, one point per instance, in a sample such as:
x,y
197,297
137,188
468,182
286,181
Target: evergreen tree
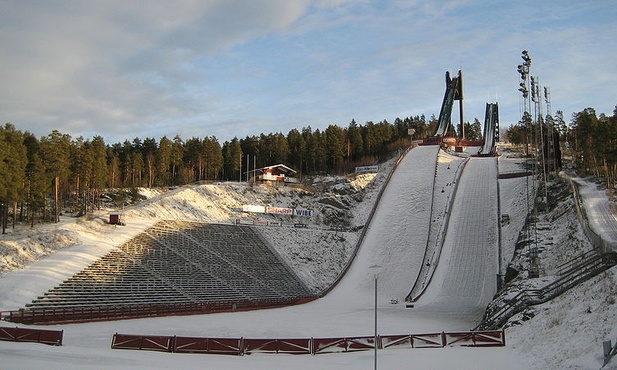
x,y
281,148
114,167
297,147
310,151
474,131
432,125
232,155
266,150
213,157
81,167
355,143
56,156
585,126
36,182
138,163
194,160
148,152
99,176
335,147
176,155
251,147
13,161
163,162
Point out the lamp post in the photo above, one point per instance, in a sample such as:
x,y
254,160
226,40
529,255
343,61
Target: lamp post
x,y
375,269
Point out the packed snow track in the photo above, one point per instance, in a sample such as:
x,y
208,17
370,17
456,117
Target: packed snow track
x,y
465,278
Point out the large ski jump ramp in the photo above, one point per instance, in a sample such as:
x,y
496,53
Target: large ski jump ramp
x,y
465,279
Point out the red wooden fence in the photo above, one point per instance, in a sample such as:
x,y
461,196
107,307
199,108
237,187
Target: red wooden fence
x,y
218,346
313,346
353,344
52,337
292,346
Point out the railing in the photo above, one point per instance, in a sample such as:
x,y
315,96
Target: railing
x,y
571,273
496,315
514,174
312,346
102,313
574,264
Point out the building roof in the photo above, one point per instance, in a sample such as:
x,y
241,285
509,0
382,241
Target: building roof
x,y
280,167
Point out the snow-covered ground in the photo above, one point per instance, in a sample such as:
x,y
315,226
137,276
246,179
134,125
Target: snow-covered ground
x,y
564,333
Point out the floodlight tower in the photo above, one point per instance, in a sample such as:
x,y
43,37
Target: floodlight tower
x,y
553,140
526,85
541,143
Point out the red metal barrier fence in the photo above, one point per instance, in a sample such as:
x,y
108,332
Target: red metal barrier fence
x,y
52,337
218,346
334,345
312,346
291,346
150,342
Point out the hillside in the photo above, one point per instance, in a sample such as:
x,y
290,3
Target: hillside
x,y
317,254
566,332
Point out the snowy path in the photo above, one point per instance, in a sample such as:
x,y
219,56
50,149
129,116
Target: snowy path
x,y
601,219
465,279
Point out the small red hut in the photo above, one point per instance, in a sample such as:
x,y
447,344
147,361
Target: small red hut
x,y
115,218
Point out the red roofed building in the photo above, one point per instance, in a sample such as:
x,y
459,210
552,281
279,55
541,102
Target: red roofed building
x,y
275,174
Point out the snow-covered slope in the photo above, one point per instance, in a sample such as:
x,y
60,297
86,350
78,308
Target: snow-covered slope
x,y
465,280
564,333
317,253
397,235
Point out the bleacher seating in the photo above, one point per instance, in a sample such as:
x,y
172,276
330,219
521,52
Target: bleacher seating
x,y
180,262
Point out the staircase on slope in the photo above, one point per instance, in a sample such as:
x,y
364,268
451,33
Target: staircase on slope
x,y
570,274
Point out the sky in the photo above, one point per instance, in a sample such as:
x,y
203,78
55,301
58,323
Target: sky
x,y
231,68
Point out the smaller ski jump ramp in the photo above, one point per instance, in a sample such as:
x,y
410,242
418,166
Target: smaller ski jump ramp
x,y
397,235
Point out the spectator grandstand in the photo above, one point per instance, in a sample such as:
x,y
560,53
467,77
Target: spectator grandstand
x,y
178,262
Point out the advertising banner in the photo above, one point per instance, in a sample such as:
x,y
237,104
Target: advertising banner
x,y
367,169
254,209
303,212
279,210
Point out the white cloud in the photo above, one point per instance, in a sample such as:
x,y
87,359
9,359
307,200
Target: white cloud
x,y
124,69
80,65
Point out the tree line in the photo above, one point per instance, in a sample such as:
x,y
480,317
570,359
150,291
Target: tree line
x,y
42,177
590,139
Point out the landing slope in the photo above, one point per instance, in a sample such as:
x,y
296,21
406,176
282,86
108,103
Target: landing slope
x,y
397,236
465,279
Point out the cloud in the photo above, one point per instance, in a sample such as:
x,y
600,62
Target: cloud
x,y
80,65
219,67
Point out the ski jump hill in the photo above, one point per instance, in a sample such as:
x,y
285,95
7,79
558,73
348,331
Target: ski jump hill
x,y
435,229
